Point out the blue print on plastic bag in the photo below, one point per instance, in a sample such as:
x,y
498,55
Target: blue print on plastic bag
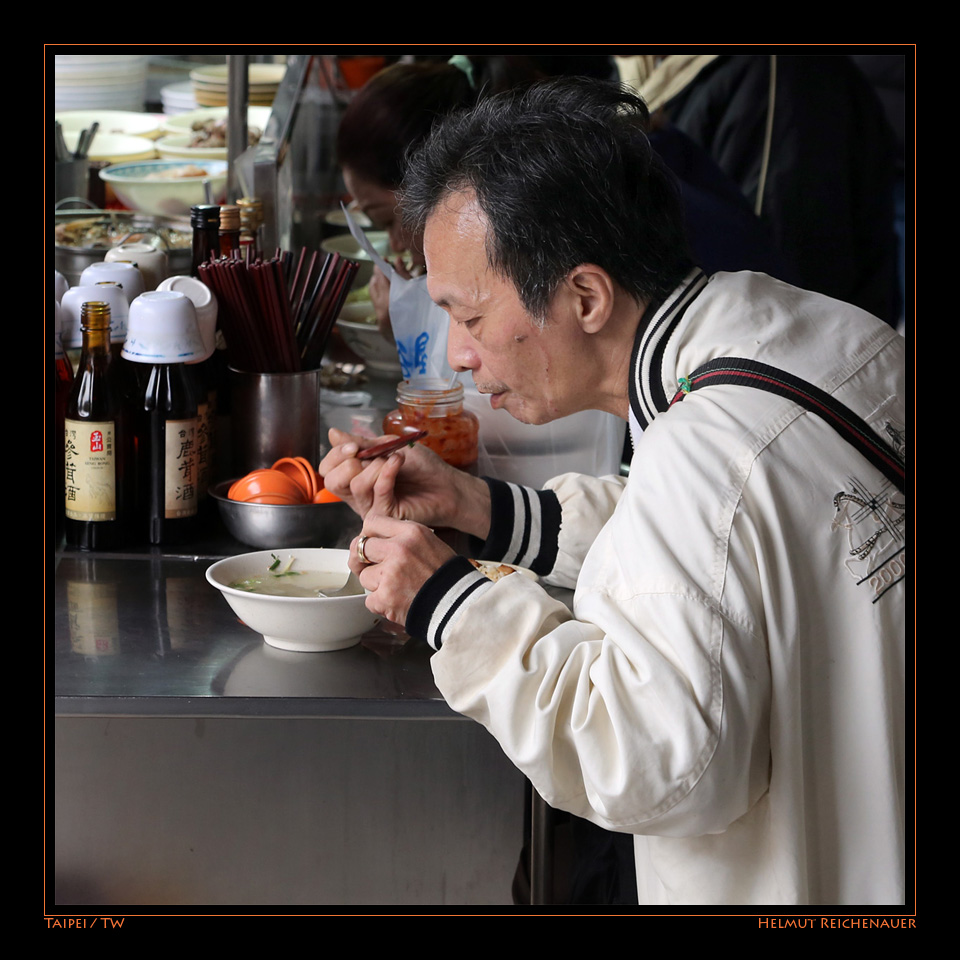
x,y
413,354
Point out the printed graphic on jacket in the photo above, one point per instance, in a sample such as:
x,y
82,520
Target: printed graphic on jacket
x,y
874,522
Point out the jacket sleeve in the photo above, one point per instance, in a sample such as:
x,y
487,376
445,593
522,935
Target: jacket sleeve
x,y
616,715
646,710
536,528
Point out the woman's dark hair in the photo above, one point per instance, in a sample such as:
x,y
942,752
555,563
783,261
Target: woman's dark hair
x,y
565,175
397,108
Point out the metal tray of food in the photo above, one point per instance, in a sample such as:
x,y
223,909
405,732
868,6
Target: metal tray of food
x,y
83,236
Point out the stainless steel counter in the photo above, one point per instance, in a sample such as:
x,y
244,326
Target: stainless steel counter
x,y
194,764
146,635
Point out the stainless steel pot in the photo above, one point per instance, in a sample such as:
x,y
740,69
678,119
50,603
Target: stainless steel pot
x,y
169,234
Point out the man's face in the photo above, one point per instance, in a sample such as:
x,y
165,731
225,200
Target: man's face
x,y
531,372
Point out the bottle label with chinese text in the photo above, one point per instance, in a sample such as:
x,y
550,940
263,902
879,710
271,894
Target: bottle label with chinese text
x,y
91,478
181,465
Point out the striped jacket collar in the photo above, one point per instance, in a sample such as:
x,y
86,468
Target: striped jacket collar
x,y
648,393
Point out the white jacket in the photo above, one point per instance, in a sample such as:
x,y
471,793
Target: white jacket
x,y
730,684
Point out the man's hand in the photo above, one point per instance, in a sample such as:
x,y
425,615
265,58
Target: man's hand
x,y
401,557
412,484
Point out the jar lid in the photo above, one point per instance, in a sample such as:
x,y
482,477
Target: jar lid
x,y
230,217
427,391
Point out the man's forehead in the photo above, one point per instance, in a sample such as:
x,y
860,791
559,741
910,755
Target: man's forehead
x,y
454,244
458,216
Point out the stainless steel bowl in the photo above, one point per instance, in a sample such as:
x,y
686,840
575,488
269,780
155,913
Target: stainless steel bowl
x,y
275,526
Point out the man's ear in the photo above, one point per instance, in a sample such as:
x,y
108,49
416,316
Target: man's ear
x,y
592,291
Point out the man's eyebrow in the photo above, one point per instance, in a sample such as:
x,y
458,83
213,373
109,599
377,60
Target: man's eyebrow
x,y
446,300
448,297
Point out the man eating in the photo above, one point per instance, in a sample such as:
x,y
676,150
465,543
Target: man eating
x,y
728,686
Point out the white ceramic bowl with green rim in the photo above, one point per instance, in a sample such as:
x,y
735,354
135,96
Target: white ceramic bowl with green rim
x,y
165,187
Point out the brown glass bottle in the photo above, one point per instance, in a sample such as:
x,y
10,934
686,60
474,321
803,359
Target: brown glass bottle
x,y
251,219
205,220
205,391
209,376
230,231
167,455
63,380
98,443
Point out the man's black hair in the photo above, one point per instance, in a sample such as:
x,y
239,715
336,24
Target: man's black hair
x,y
565,175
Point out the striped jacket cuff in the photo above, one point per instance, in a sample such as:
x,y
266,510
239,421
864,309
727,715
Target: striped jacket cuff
x,y
524,526
439,601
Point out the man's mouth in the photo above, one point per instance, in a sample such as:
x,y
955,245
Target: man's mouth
x,y
493,390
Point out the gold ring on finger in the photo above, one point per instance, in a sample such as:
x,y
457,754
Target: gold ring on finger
x,y
360,545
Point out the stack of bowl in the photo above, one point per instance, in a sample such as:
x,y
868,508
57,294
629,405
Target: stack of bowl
x,y
284,506
178,98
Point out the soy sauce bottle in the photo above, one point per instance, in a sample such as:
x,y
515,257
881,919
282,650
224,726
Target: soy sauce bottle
x,y
230,231
98,443
209,376
63,382
167,437
251,219
205,221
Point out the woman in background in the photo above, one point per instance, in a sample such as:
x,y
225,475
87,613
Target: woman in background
x,y
392,114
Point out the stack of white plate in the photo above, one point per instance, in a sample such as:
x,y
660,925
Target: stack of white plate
x,y
88,81
178,98
210,84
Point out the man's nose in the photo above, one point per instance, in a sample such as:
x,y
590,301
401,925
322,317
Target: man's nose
x,y
461,354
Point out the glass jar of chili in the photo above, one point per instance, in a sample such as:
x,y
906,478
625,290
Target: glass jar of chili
x,y
435,406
